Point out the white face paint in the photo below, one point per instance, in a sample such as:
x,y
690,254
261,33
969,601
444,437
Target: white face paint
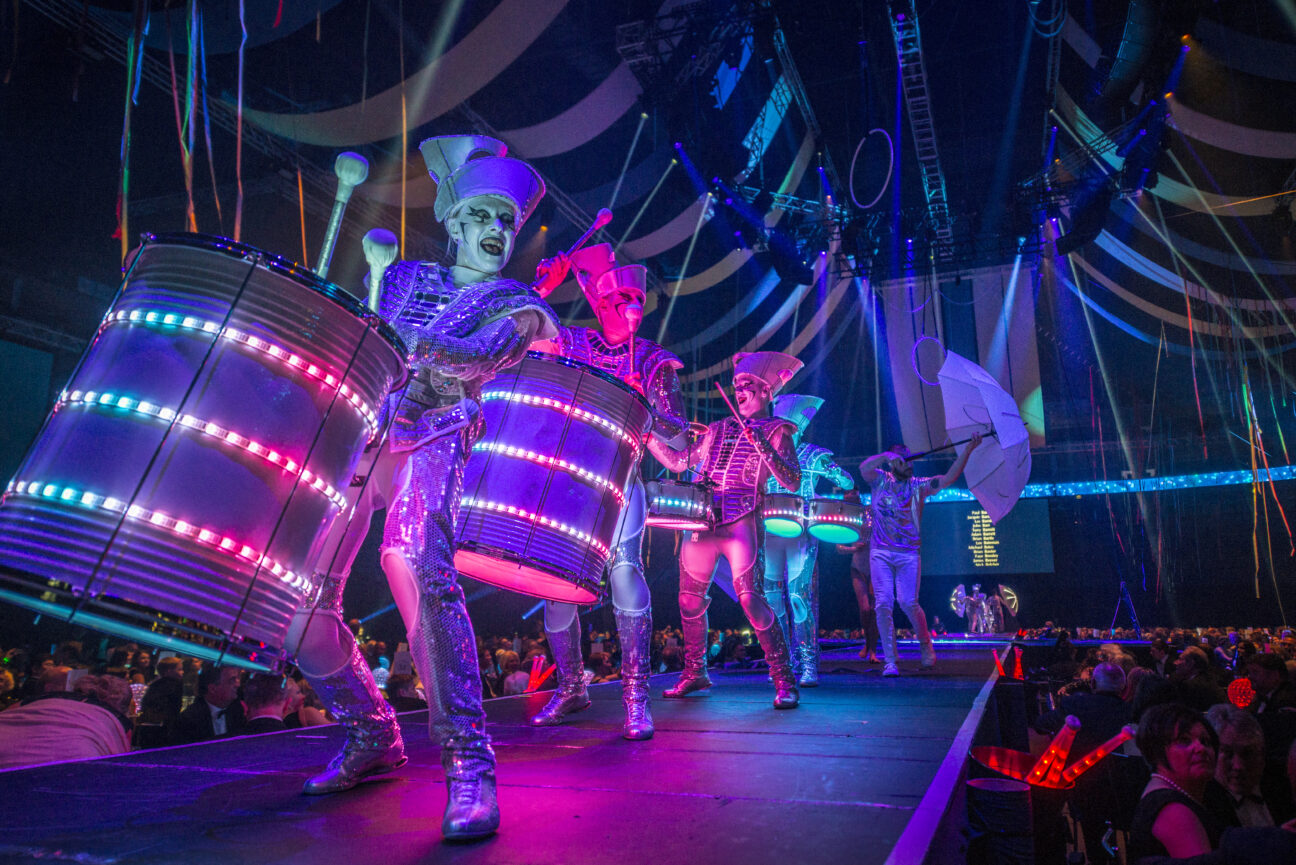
x,y
752,394
485,229
611,310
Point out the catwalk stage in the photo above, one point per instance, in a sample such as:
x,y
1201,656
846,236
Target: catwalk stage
x,y
863,772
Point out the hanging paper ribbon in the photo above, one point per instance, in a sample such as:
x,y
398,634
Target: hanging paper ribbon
x,y
134,65
238,143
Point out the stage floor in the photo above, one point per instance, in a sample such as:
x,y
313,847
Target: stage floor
x,y
866,766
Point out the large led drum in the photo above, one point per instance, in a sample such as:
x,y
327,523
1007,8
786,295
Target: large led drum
x,y
784,515
835,521
182,487
544,489
679,505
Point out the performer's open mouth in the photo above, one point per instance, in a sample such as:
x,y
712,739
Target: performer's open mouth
x,y
492,245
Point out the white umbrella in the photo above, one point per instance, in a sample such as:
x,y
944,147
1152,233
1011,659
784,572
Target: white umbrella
x,y
998,470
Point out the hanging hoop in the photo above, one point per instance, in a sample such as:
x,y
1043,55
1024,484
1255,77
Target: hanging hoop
x,y
890,166
913,359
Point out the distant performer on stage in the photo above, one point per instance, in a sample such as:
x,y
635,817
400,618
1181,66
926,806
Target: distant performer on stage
x,y
462,324
738,456
616,295
793,561
894,564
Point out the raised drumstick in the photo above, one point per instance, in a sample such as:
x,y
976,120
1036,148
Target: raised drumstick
x,y
351,170
380,247
602,218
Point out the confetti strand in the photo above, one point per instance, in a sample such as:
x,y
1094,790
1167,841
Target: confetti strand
x,y
201,40
180,121
400,35
238,142
301,212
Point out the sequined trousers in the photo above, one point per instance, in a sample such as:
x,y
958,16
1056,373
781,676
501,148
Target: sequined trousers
x,y
790,563
418,546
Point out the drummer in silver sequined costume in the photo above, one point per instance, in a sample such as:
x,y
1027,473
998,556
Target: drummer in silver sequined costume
x,y
793,561
738,457
616,295
462,324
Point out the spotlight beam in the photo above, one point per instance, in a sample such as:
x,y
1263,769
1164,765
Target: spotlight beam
x,y
688,256
626,165
644,206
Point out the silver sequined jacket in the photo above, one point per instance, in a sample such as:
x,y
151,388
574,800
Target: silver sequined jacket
x,y
459,337
816,462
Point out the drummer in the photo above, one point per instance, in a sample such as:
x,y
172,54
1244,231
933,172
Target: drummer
x,y
616,295
738,455
462,324
791,562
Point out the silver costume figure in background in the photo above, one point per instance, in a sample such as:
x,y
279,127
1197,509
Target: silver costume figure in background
x,y
794,561
738,456
616,295
462,324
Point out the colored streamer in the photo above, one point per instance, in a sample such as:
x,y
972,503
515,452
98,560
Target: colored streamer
x,y
238,143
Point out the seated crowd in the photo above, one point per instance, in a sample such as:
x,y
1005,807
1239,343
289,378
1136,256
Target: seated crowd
x,y
1211,779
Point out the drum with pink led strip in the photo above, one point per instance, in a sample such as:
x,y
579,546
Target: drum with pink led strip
x,y
545,488
184,482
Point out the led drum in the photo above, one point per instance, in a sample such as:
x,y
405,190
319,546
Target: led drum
x,y
836,521
182,486
784,515
679,505
544,490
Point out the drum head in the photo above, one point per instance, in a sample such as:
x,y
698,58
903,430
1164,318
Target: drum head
x,y
518,576
834,533
679,523
781,527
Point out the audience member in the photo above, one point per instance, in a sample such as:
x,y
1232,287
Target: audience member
x,y
1102,712
1173,817
1273,687
1240,763
216,712
1193,682
89,721
266,698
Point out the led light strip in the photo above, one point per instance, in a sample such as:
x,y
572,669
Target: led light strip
x,y
551,463
783,514
569,410
178,527
537,518
693,507
247,445
189,322
838,518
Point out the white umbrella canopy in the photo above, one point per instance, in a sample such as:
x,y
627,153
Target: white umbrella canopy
x,y
997,471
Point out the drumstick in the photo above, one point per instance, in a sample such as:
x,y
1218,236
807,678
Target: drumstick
x,y
603,217
634,316
750,436
351,170
380,247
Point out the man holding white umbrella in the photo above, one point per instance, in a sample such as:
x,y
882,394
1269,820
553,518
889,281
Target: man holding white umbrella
x,y
894,563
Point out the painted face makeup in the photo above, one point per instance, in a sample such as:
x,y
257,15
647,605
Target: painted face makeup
x,y
751,393
485,229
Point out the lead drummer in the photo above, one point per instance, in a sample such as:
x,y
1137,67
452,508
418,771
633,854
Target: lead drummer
x,y
738,456
616,294
792,561
463,324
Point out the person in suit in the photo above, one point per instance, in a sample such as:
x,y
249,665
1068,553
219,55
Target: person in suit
x,y
1274,690
266,696
217,712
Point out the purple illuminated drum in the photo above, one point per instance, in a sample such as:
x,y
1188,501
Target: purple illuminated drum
x,y
544,490
182,487
784,515
836,521
679,505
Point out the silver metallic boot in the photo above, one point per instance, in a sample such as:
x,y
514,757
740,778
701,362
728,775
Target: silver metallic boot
x,y
373,745
776,655
635,633
570,696
694,677
807,653
472,811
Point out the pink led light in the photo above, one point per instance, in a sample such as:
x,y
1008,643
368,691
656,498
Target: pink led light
x,y
187,322
159,520
289,466
570,411
552,463
512,510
